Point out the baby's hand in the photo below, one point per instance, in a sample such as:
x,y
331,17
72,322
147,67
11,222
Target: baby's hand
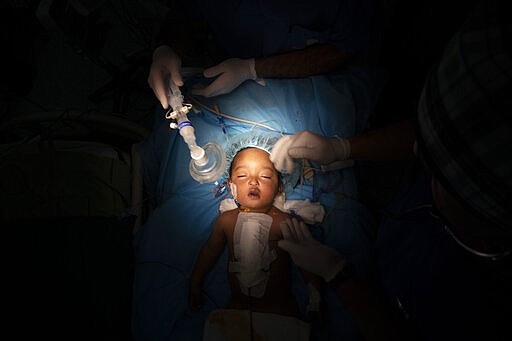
x,y
195,296
318,318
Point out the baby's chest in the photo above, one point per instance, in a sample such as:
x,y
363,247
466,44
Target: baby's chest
x,y
252,238
275,231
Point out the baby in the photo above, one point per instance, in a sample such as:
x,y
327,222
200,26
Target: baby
x,y
259,272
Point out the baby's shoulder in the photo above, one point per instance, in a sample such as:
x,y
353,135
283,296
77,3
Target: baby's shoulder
x,y
279,215
227,218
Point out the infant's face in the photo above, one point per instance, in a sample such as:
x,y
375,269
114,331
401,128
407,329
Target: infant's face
x,y
255,178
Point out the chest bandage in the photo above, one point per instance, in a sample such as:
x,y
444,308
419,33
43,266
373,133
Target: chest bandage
x,y
252,255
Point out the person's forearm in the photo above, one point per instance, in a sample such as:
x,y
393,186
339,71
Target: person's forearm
x,y
371,315
394,142
205,261
312,60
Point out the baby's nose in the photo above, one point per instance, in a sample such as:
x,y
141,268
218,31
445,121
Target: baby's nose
x,y
253,180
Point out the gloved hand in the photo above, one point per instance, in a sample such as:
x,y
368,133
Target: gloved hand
x,y
166,65
307,252
232,72
331,153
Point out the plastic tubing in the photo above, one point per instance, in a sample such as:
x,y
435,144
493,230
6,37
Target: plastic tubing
x,y
185,127
187,132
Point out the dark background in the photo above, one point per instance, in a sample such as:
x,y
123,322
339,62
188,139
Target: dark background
x,y
71,277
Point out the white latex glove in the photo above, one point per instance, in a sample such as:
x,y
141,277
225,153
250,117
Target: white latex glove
x,y
166,66
231,73
307,252
331,153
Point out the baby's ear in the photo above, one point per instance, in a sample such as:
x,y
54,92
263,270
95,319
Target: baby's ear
x,y
279,183
279,201
232,189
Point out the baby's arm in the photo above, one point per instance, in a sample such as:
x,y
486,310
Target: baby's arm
x,y
208,255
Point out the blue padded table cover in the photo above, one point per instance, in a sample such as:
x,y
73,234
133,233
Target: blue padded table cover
x,y
168,242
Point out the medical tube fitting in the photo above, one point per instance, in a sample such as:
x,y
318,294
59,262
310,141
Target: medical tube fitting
x,y
187,132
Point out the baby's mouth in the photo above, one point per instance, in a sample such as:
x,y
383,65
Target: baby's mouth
x,y
254,193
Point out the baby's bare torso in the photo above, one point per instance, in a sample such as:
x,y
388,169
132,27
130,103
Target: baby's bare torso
x,y
277,298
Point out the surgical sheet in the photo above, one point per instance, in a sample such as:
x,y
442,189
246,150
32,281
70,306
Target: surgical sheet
x,y
168,242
